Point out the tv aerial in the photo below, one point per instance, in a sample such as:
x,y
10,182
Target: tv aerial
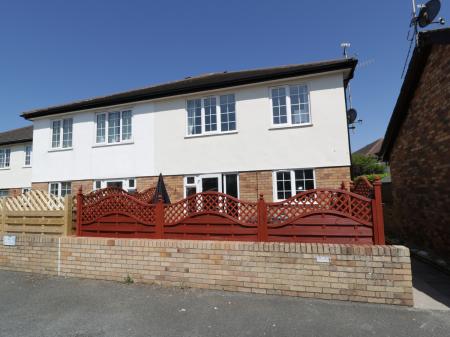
x,y
351,112
427,13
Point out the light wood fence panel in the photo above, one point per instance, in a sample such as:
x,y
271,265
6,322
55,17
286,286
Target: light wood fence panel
x,y
36,212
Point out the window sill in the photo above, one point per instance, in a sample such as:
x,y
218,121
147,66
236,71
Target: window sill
x,y
26,166
61,149
5,168
113,144
212,134
290,126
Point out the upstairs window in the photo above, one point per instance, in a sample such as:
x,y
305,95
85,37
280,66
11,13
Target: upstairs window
x,y
28,150
213,114
5,157
113,127
62,128
290,105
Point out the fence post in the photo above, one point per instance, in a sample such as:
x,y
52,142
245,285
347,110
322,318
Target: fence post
x,y
377,209
79,209
263,234
159,218
68,202
3,216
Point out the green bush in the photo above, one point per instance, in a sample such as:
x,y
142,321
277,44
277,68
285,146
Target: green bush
x,y
366,165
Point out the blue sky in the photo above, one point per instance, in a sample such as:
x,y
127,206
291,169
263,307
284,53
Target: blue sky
x,y
56,51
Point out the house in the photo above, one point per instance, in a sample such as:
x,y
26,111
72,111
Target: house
x,y
15,161
371,149
273,131
417,147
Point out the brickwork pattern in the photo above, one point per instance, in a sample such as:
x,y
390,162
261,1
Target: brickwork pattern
x,y
86,185
143,183
374,274
332,177
252,184
419,161
40,186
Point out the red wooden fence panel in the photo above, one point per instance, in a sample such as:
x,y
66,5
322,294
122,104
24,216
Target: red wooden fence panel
x,y
112,212
319,215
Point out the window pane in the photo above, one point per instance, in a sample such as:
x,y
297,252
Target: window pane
x,y
304,180
194,117
210,114
283,184
98,184
126,125
190,191
66,188
190,180
279,105
4,193
2,158
67,132
299,104
56,133
228,112
101,128
7,157
54,189
131,183
231,185
28,155
114,127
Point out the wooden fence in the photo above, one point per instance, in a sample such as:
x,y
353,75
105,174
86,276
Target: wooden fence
x,y
36,212
319,215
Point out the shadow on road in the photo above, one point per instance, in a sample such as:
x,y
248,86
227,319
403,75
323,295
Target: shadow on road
x,y
431,282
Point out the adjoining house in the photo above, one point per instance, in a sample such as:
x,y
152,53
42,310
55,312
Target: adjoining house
x,y
273,131
417,147
371,149
15,161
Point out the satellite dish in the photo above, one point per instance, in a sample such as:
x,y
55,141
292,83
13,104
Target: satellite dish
x,y
428,13
351,115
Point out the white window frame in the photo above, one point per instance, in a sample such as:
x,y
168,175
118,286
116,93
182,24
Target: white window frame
x,y
288,106
218,116
292,177
59,183
106,114
125,183
61,134
7,158
28,156
198,182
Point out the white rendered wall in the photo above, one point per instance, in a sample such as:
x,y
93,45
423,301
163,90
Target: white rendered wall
x,y
160,144
86,160
16,176
256,145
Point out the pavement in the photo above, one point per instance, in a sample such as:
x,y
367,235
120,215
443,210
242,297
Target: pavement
x,y
36,305
431,287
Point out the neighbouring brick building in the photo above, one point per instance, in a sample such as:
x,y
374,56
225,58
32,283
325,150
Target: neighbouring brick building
x,y
417,147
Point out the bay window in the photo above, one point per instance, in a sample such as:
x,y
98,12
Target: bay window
x,y
290,105
212,114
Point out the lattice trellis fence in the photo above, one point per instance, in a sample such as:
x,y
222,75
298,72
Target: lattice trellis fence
x,y
36,212
319,215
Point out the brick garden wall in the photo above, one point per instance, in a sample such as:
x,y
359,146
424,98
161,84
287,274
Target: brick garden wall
x,y
419,161
375,274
